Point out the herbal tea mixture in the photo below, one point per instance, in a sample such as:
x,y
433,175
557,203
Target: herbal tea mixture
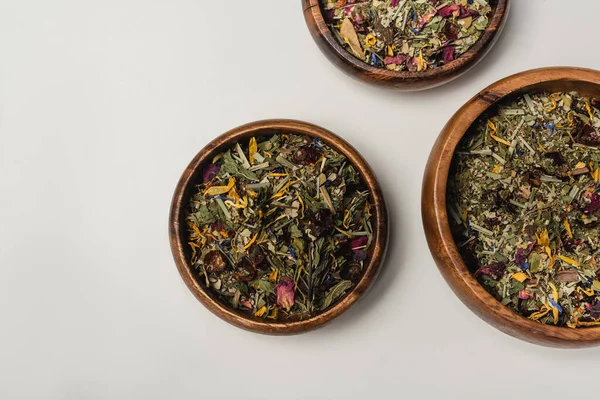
x,y
281,226
412,35
524,205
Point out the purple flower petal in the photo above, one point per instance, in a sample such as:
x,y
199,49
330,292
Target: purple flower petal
x,y
210,171
525,294
399,59
522,254
448,54
449,11
494,270
285,293
359,243
456,11
594,203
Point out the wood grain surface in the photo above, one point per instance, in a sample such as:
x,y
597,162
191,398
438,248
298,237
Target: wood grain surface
x,y
435,218
193,175
402,80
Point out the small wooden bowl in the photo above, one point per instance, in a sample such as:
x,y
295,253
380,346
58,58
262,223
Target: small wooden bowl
x,y
193,175
435,217
403,80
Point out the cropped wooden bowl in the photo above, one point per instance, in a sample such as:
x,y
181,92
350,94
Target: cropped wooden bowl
x,y
193,175
435,217
403,80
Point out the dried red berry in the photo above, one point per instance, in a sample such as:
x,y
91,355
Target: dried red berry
x,y
351,271
588,136
245,271
305,155
214,262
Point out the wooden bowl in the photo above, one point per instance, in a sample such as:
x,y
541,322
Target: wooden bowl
x,y
192,176
403,80
435,217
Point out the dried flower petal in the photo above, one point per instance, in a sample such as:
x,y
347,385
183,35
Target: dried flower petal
x,y
594,204
285,293
522,254
448,54
359,243
525,294
494,270
349,33
399,59
588,136
209,172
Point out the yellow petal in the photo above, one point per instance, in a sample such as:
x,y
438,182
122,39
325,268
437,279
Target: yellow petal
x,y
520,276
543,239
346,216
217,190
537,315
500,140
568,228
587,292
252,149
569,261
589,110
251,241
232,194
261,312
283,190
301,203
343,232
273,275
551,108
552,258
370,40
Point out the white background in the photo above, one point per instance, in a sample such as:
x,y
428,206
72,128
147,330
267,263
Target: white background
x,y
103,104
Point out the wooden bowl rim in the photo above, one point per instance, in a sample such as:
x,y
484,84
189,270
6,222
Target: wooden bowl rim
x,y
437,228
455,67
268,128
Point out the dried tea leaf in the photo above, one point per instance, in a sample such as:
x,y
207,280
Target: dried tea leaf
x,y
335,293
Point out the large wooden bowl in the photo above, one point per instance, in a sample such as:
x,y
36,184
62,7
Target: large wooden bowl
x,y
403,80
435,217
193,175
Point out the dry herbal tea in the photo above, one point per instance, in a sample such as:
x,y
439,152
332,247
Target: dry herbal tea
x,y
280,228
524,206
413,35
